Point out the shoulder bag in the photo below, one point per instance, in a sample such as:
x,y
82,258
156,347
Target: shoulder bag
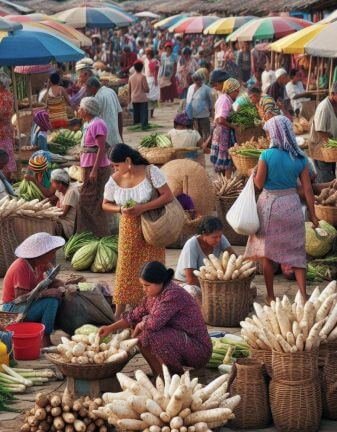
x,y
162,227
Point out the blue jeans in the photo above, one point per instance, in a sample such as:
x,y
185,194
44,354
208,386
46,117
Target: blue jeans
x,y
42,310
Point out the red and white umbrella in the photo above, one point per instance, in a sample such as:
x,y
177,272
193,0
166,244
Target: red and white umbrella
x,y
195,24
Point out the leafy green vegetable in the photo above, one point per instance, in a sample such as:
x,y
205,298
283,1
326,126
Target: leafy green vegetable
x,y
245,117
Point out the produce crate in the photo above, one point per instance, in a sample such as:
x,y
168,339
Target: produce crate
x,y
329,154
26,226
327,213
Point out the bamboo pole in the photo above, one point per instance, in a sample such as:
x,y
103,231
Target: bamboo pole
x,y
16,106
30,92
330,75
309,73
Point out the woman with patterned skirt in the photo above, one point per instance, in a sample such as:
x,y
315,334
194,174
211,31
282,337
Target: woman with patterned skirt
x,y
129,191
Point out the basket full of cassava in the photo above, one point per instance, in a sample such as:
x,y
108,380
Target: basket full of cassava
x,y
225,285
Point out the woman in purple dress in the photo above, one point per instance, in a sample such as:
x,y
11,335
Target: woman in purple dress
x,y
168,323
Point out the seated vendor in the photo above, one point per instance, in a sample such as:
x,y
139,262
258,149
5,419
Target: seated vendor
x,y
35,257
39,172
183,136
5,186
210,240
68,197
265,104
168,323
40,129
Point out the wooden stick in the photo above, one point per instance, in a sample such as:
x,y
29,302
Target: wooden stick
x,y
309,72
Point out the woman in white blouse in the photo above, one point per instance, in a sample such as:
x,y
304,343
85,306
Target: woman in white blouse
x,y
129,191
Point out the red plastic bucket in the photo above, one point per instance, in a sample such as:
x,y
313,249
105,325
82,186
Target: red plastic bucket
x,y
27,338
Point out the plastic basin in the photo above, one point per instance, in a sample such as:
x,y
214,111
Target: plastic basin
x,y
27,338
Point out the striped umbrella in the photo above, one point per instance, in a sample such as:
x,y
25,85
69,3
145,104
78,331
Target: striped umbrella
x,y
324,43
195,24
224,26
6,25
94,17
170,21
269,28
27,18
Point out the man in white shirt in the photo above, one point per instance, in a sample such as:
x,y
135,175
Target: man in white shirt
x,y
110,110
295,87
268,77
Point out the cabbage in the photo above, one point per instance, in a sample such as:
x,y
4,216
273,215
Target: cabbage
x,y
86,329
317,245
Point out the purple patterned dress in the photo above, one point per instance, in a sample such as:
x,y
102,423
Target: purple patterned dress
x,y
174,328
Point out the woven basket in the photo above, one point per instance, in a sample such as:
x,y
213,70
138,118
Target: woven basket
x,y
329,381
327,213
296,406
264,356
249,382
195,154
89,372
299,366
246,134
190,228
24,119
7,318
329,154
8,242
243,163
225,303
157,156
326,352
26,226
222,206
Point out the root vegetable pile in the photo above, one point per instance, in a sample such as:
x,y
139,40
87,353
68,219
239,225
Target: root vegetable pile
x,y
328,196
61,413
175,403
85,349
292,327
226,350
228,267
11,207
225,187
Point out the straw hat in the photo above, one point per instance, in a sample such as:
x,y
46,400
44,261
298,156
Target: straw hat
x,y
38,244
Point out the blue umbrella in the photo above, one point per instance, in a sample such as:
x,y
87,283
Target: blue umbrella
x,y
25,47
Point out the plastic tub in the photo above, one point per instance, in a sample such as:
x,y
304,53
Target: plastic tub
x,y
27,338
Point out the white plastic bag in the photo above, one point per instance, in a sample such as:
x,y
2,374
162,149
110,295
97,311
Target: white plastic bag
x,y
242,216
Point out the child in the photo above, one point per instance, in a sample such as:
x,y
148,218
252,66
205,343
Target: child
x,y
40,129
138,88
5,186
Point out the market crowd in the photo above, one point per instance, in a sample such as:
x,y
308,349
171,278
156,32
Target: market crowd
x,y
212,80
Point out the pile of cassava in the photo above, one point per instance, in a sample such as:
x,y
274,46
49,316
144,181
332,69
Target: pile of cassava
x,y
228,267
291,327
87,349
174,404
61,413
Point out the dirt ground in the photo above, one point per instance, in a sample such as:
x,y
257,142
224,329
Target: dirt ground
x,y
10,422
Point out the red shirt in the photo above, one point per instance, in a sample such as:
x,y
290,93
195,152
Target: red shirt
x,y
19,275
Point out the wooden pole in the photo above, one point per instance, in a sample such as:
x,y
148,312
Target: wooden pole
x,y
16,106
30,92
330,75
309,73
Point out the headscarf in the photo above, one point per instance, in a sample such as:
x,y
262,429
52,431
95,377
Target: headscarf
x,y
41,118
90,105
183,119
60,175
5,80
204,72
197,76
230,85
38,163
282,135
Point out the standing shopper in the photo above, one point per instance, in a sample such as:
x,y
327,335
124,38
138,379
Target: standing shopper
x,y
96,167
138,89
244,62
281,237
199,105
6,129
167,74
151,66
109,108
187,65
223,136
134,179
57,100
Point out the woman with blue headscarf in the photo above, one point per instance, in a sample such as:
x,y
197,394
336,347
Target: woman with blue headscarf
x,y
281,237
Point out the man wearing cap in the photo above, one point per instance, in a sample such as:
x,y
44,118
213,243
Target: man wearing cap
x,y
84,69
324,126
277,90
110,109
35,256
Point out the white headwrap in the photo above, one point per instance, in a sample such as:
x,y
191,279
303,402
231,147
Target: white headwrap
x,y
5,80
60,175
90,105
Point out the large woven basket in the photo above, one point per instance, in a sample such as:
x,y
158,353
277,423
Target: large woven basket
x,y
299,366
157,156
8,244
327,213
329,154
329,382
249,382
195,154
222,206
225,303
246,134
264,356
23,120
190,228
89,372
26,226
296,406
243,163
